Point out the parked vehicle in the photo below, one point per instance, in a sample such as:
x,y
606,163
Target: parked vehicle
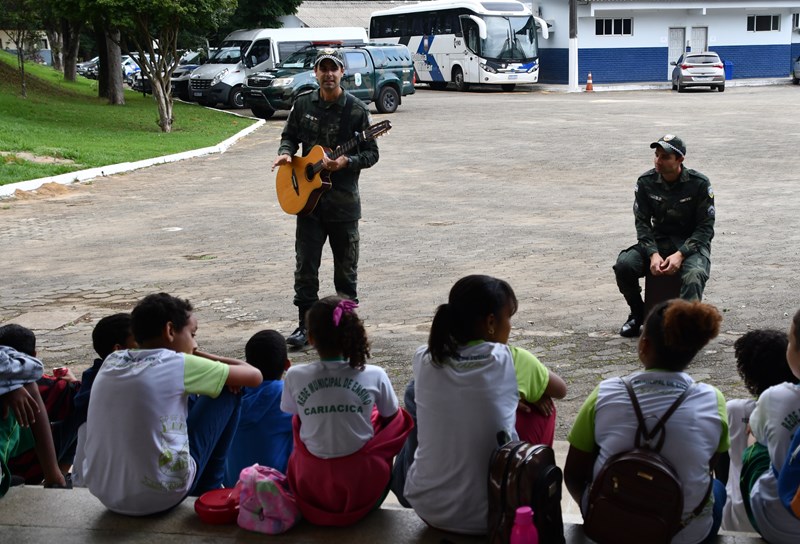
x,y
190,61
245,52
82,68
380,73
796,71
698,70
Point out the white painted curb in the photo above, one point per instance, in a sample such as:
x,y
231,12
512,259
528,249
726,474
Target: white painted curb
x,y
91,173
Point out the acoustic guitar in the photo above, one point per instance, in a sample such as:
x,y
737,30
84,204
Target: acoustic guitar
x,y
301,183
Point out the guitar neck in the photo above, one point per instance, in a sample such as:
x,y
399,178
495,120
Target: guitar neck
x,y
345,147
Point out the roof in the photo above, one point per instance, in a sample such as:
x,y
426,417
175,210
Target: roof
x,y
319,13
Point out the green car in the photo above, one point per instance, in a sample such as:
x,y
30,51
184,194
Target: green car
x,y
380,73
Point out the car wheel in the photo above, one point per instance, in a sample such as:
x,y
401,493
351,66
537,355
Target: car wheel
x,y
262,112
508,87
721,88
388,99
674,87
681,88
795,80
458,79
236,98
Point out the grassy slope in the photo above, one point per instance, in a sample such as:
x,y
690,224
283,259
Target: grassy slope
x,y
68,120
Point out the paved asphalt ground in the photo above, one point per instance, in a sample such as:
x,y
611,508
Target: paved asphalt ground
x,y
533,186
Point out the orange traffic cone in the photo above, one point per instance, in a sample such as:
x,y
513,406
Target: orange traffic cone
x,y
589,86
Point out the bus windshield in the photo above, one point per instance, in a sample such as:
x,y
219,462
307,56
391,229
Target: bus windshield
x,y
509,38
230,52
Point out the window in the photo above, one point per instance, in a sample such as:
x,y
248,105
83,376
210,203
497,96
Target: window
x,y
355,60
763,23
795,20
613,27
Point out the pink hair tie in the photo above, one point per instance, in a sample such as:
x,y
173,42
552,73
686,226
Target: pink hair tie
x,y
344,306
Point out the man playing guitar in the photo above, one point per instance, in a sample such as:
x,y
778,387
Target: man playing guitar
x,y
328,117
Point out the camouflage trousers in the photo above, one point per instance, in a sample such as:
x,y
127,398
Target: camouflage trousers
x,y
310,237
632,264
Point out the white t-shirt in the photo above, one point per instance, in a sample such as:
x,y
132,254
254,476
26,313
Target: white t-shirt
x,y
334,402
136,453
694,433
776,416
461,406
734,516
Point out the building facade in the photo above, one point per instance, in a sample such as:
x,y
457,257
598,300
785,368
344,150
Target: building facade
x,y
624,40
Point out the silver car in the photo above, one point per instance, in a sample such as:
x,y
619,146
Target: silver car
x,y
703,69
796,71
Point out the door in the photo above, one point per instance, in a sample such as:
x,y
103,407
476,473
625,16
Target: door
x,y
699,39
677,41
358,78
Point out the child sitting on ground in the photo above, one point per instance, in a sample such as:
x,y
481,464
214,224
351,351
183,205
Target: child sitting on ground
x,y
774,420
148,445
264,435
467,358
692,437
112,333
348,425
23,417
761,362
26,463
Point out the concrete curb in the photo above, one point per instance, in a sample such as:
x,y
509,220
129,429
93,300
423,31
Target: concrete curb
x,y
101,171
662,85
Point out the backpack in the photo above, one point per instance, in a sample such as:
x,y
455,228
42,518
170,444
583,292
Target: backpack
x,y
789,477
637,496
523,474
266,504
58,396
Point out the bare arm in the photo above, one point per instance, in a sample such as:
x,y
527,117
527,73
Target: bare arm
x,y
578,472
240,374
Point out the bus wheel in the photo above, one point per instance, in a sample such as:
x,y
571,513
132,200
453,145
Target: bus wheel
x,y
508,87
458,79
388,99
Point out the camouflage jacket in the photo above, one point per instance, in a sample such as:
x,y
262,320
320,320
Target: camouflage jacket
x,y
17,369
674,216
313,121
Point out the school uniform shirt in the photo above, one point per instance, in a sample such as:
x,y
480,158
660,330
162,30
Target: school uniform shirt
x,y
774,420
694,433
532,375
334,402
136,454
461,406
734,516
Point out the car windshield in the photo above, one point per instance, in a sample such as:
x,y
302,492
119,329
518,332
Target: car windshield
x,y
301,59
702,59
229,52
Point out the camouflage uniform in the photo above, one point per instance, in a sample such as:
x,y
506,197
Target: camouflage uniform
x,y
669,217
311,122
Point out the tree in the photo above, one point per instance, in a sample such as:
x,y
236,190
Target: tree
x,y
22,21
261,14
153,27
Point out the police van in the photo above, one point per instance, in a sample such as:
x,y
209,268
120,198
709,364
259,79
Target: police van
x,y
243,52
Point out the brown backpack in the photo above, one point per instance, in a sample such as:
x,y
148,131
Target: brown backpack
x,y
637,496
523,474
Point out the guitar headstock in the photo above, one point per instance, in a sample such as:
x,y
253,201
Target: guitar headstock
x,y
376,130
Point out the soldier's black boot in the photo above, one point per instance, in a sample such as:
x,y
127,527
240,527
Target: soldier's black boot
x,y
632,327
299,338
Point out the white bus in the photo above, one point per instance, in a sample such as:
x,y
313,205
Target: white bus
x,y
493,42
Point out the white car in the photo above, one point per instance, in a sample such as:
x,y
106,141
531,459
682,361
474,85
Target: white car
x,y
703,69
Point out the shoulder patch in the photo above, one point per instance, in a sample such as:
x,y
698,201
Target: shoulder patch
x,y
710,192
712,212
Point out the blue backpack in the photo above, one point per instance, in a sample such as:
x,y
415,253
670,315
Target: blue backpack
x,y
789,477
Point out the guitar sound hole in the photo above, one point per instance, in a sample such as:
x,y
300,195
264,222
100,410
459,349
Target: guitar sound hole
x,y
309,172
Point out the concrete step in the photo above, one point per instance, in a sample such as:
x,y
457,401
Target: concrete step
x,y
31,514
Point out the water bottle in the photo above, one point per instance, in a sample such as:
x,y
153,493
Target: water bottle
x,y
524,531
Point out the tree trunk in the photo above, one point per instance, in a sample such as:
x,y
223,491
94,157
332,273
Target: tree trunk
x,y
71,34
56,47
163,97
21,63
116,90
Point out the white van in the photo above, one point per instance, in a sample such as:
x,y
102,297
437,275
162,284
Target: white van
x,y
243,52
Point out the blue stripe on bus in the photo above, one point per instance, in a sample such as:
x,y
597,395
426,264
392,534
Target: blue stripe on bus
x,y
436,73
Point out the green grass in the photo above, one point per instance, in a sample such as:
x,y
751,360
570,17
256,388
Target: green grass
x,y
68,121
